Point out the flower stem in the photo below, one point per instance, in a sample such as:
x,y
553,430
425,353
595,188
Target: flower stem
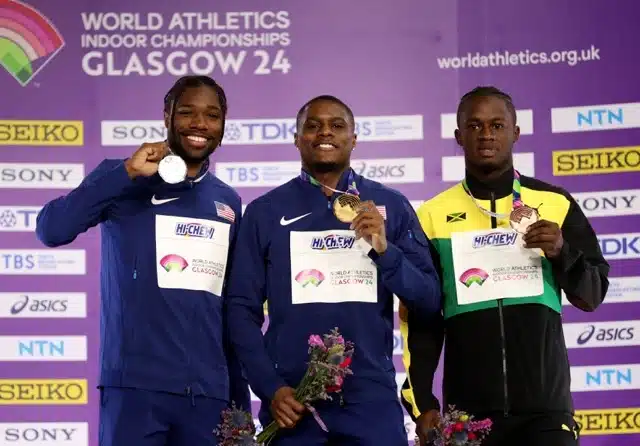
x,y
270,431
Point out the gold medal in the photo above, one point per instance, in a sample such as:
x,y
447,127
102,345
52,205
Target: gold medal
x,y
522,217
345,207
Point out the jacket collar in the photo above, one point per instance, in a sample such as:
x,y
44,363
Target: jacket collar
x,y
500,187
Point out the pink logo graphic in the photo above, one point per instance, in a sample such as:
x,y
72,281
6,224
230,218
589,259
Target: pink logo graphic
x,y
173,262
309,276
473,275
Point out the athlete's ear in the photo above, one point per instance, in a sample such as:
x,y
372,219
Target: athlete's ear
x,y
458,135
166,120
354,141
295,141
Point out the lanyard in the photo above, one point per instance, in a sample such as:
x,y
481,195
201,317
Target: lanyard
x,y
351,190
517,201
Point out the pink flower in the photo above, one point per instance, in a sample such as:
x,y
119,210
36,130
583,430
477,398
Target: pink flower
x,y
339,340
315,341
338,380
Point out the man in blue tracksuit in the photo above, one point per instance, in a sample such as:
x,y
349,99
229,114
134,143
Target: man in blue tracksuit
x,y
167,369
319,269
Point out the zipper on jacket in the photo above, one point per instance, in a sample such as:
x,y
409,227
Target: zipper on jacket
x,y
494,225
135,268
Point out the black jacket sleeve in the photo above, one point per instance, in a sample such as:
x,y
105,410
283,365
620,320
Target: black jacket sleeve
x,y
423,339
580,269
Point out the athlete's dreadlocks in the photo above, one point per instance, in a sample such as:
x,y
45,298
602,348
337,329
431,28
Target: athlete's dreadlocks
x,y
488,91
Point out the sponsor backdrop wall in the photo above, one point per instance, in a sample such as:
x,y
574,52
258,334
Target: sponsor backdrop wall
x,y
80,83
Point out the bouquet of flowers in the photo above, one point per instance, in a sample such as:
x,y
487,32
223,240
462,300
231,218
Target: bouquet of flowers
x,y
236,429
458,428
329,361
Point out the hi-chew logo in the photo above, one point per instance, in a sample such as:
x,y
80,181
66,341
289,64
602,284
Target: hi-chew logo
x,y
495,239
473,275
173,263
28,41
310,277
194,230
330,242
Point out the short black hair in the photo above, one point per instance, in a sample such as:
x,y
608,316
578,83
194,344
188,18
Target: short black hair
x,y
324,97
172,96
485,91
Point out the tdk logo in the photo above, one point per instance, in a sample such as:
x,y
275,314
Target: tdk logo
x,y
330,242
495,239
194,230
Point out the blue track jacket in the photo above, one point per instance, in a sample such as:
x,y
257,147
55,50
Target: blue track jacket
x,y
293,251
164,255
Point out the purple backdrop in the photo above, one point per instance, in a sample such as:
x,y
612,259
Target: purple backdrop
x,y
570,69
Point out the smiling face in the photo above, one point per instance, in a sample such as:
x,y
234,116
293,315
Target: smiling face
x,y
325,137
487,132
198,124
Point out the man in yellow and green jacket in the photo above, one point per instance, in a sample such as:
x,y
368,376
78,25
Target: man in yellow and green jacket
x,y
505,355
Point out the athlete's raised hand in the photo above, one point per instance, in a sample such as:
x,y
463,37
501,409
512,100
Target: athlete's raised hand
x,y
144,162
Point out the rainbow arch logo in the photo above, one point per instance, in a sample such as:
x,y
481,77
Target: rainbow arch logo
x,y
173,263
28,40
473,275
309,277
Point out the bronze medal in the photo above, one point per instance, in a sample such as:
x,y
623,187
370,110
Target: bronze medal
x,y
345,207
522,217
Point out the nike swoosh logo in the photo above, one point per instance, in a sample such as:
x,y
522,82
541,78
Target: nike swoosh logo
x,y
285,222
156,202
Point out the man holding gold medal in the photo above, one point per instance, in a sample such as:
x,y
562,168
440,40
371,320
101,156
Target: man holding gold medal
x,y
328,249
507,247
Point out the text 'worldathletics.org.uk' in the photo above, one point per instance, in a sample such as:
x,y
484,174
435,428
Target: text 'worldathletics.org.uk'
x,y
84,81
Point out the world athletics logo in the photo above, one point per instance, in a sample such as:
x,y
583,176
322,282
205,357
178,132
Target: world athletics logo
x,y
473,275
309,276
28,40
173,262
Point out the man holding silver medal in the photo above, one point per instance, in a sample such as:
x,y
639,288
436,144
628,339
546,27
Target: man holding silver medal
x,y
328,249
168,226
508,247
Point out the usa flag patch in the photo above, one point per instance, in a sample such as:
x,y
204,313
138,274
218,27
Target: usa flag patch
x,y
383,211
225,211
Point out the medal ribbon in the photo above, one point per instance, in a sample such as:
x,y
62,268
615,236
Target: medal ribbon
x,y
517,200
351,189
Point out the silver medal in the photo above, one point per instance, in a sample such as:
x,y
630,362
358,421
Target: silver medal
x,y
172,169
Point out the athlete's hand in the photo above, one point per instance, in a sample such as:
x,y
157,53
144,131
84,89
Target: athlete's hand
x,y
369,225
425,425
546,236
144,162
286,411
